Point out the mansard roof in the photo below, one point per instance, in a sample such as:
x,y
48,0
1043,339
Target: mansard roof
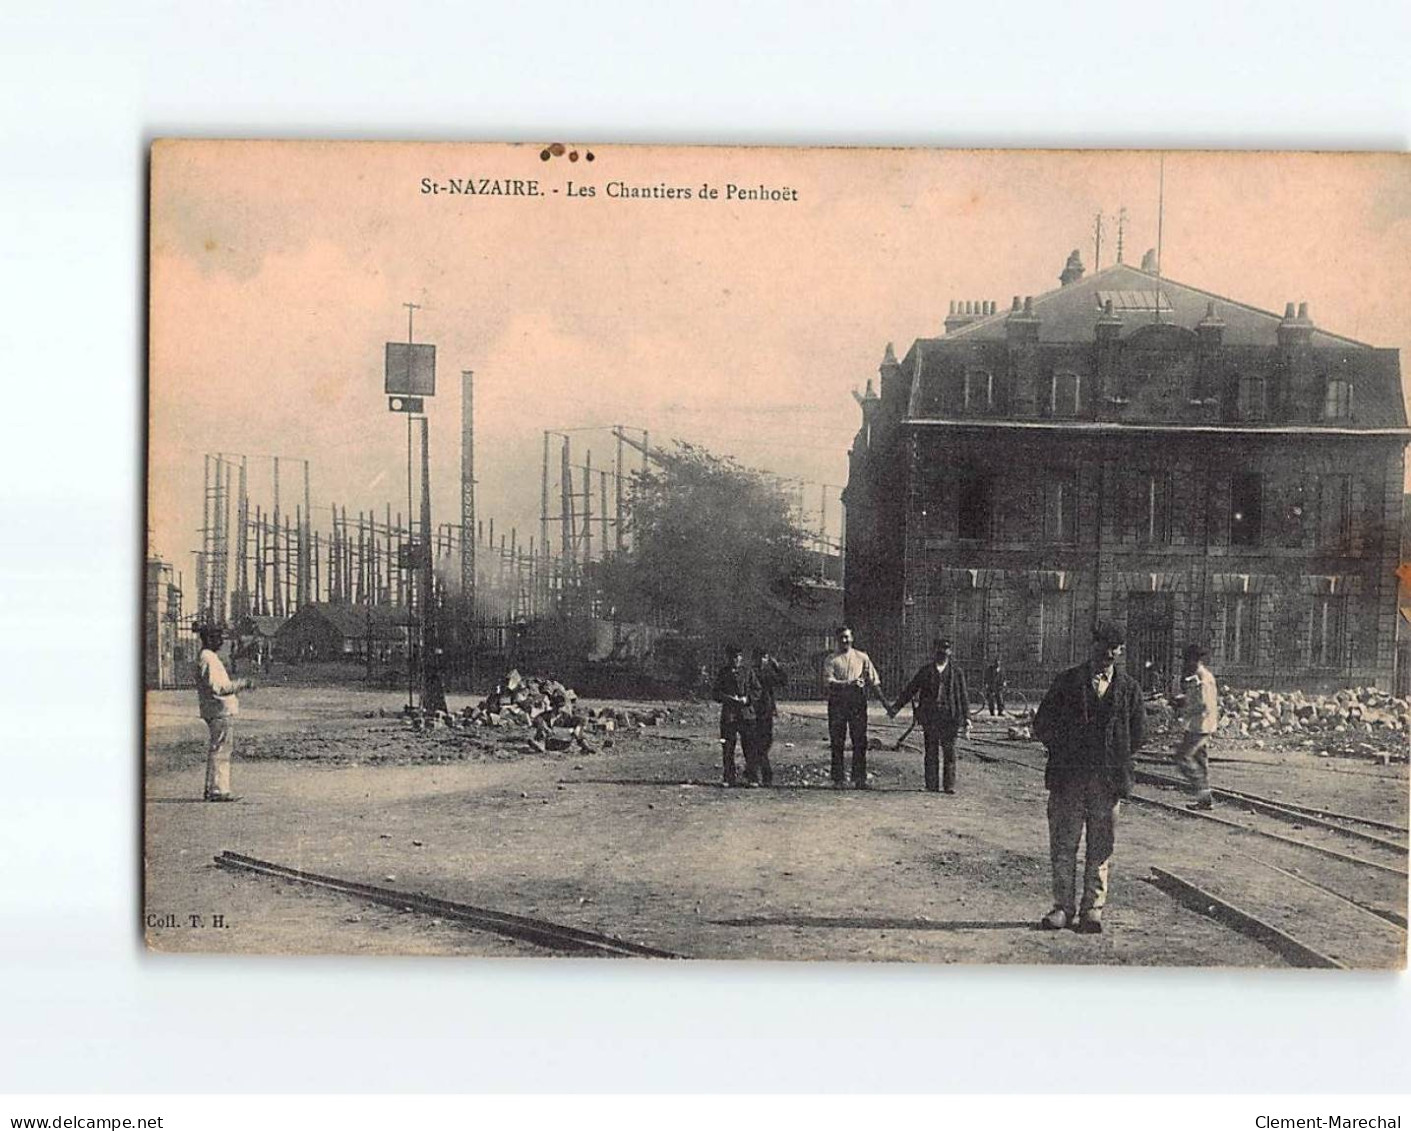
x,y
1067,314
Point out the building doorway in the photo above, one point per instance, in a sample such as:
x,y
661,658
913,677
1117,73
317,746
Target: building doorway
x,y
1151,647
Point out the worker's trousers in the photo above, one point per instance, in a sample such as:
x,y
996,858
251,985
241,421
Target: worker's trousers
x,y
1085,801
218,751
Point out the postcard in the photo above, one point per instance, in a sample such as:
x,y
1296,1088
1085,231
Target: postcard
x,y
566,549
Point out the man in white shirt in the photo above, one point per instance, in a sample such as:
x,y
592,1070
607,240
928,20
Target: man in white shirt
x,y
219,697
1199,703
849,676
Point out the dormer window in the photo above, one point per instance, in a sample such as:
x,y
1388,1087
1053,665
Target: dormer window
x,y
979,391
1337,399
1063,393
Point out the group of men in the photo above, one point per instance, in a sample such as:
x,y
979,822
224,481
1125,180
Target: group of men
x,y
748,698
1092,721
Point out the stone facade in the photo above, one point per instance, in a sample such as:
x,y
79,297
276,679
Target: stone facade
x,y
1193,469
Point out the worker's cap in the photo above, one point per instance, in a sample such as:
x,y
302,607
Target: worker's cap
x,y
1108,634
941,642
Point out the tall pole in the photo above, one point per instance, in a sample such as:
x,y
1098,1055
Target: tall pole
x,y
278,575
468,488
242,541
566,508
823,532
588,507
203,603
617,509
603,507
544,500
427,643
305,544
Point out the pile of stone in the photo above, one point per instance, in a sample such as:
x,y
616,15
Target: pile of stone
x,y
1359,720
525,701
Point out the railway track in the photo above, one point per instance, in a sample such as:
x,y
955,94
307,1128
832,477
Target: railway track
x,y
1334,886
541,932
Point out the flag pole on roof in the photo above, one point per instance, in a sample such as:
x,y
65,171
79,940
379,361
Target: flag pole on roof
x,y
1160,216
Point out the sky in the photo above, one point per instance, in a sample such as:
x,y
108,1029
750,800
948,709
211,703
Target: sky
x,y
279,270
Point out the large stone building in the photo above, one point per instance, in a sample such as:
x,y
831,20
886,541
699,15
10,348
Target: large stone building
x,y
1129,447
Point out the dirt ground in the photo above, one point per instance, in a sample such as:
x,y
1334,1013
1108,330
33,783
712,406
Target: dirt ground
x,y
639,841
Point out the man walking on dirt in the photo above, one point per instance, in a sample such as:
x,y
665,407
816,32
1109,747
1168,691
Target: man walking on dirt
x,y
1199,703
849,676
1092,721
737,691
942,709
771,677
219,698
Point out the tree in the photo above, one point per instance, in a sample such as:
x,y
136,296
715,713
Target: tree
x,y
715,553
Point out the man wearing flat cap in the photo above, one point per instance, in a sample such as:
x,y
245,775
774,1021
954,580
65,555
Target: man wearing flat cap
x,y
1092,722
942,709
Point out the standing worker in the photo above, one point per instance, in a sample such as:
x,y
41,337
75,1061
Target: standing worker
x,y
219,697
737,691
994,687
1092,721
942,709
771,677
849,676
1199,704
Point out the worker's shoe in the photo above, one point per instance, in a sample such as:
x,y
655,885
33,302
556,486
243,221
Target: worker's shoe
x,y
1089,922
1055,920
1201,804
222,797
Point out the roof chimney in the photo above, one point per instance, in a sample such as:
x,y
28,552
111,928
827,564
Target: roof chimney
x,y
1072,270
1149,263
1021,324
1294,328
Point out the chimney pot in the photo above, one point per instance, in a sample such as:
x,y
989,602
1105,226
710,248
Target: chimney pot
x,y
1107,307
1028,304
1303,312
1017,304
1210,310
952,306
1288,313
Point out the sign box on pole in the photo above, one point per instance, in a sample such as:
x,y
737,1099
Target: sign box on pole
x,y
411,369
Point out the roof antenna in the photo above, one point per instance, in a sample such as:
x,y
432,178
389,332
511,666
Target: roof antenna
x,y
1121,227
1160,216
1097,242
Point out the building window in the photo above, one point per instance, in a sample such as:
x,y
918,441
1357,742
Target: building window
x,y
974,507
1064,390
1337,400
1061,507
1334,512
1327,632
1056,627
1253,398
979,391
1149,507
1246,509
1240,612
963,620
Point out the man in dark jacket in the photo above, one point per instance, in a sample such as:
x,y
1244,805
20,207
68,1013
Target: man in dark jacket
x,y
771,676
942,709
737,691
1092,721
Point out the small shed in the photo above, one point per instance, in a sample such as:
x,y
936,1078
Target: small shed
x,y
323,631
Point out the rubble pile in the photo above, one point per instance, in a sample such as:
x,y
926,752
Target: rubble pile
x,y
1358,720
545,705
